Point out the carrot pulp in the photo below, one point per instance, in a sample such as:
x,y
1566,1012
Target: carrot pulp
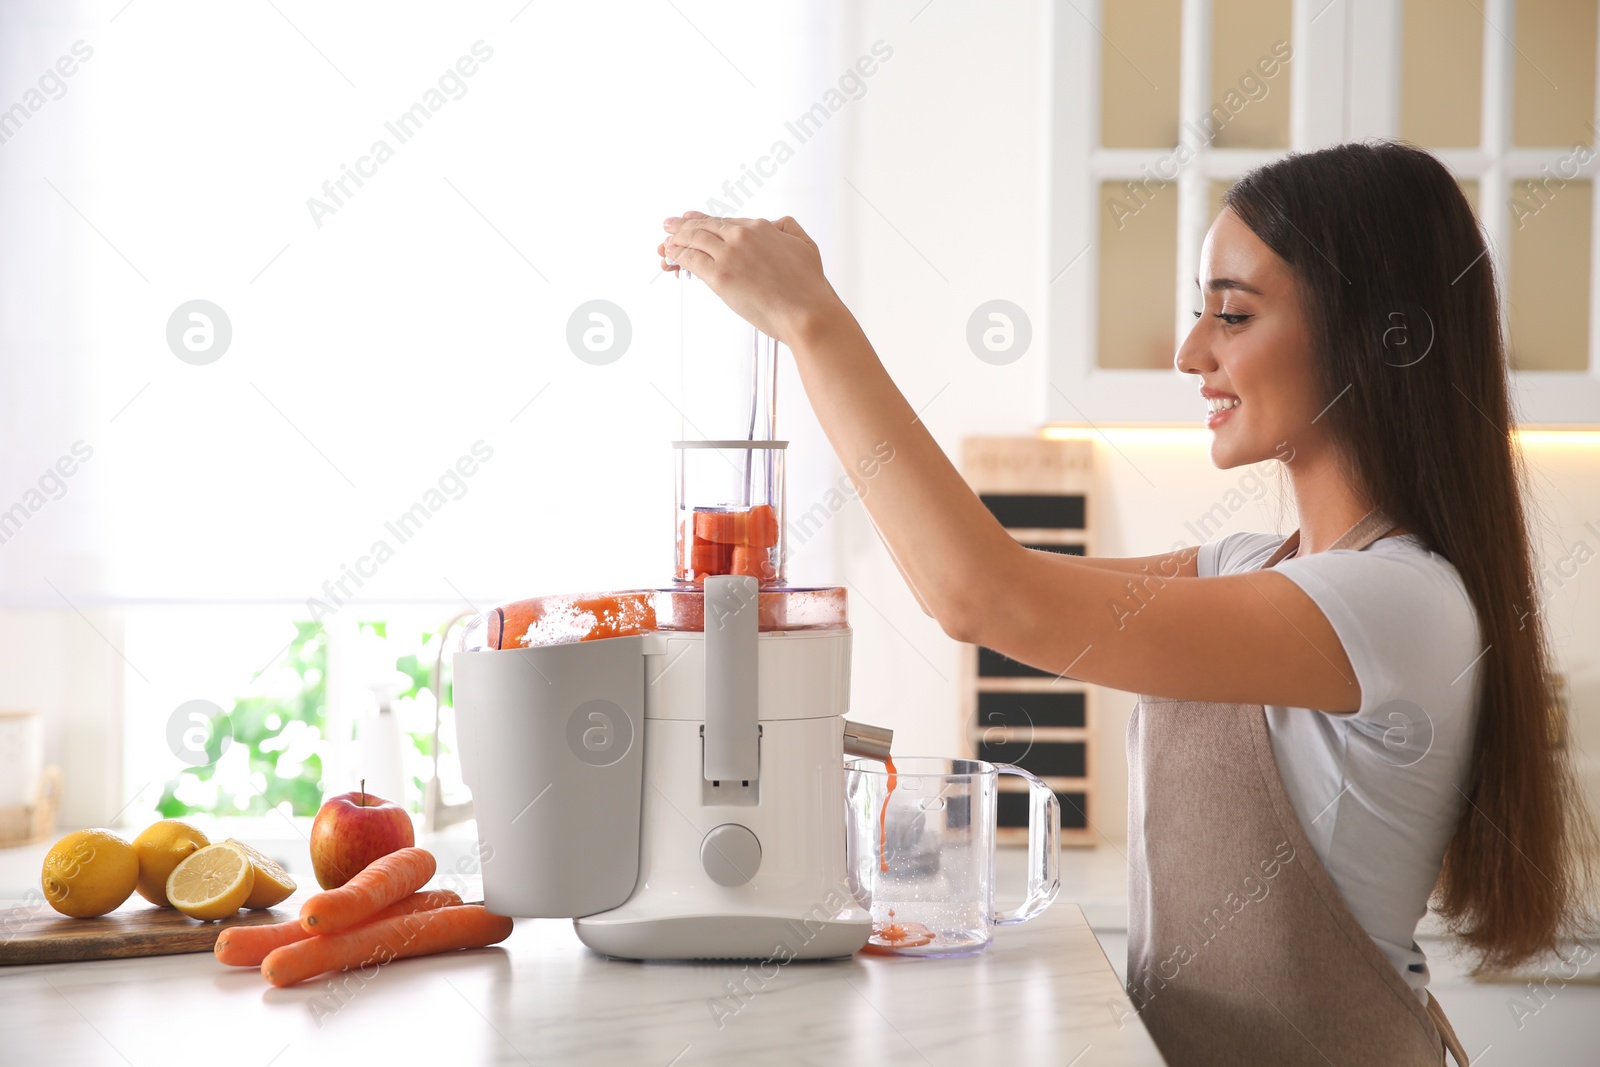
x,y
618,616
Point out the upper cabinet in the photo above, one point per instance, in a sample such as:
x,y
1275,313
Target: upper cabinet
x,y
1158,106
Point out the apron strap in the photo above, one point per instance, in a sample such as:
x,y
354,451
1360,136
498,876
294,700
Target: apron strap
x,y
1446,1031
1374,522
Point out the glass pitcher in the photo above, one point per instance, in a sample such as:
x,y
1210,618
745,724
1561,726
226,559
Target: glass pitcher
x,y
921,846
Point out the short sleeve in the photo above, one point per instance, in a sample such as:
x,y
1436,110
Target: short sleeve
x,y
1403,617
1235,552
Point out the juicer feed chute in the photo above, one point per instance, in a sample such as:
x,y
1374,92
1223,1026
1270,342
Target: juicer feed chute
x,y
729,468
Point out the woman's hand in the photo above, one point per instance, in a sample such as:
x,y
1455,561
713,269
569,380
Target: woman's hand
x,y
769,273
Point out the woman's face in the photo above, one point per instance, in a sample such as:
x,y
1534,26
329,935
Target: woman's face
x,y
1249,346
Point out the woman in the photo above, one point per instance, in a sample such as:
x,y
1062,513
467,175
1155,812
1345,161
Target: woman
x,y
1341,724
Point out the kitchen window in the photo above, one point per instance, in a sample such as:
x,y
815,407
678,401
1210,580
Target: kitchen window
x,y
387,229
1158,106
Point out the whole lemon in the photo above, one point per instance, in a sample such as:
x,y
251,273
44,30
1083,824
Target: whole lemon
x,y
160,848
89,873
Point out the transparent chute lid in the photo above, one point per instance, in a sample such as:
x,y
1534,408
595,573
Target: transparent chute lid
x,y
563,618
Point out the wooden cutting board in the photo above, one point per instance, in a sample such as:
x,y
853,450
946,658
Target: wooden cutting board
x,y
37,933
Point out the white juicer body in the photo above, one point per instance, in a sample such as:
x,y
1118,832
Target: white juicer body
x,y
735,870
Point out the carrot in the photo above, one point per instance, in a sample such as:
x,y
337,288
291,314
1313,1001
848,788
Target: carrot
x,y
383,881
247,946
750,561
723,527
418,934
710,558
762,529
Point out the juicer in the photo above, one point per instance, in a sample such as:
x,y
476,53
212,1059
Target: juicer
x,y
666,766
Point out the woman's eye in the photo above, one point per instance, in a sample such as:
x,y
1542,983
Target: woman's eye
x,y
1231,318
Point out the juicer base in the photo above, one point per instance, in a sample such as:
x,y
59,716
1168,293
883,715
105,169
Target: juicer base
x,y
725,937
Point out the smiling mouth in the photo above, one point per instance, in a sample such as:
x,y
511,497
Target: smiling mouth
x,y
1221,403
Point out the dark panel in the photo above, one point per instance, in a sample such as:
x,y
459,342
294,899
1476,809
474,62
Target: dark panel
x,y
1074,810
1036,511
957,812
1023,710
1012,810
1047,759
992,664
1065,550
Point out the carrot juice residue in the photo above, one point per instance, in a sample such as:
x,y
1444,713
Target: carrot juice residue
x,y
883,814
889,936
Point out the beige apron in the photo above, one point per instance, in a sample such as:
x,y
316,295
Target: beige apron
x,y
1240,948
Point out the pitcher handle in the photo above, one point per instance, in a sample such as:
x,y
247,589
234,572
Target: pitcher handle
x,y
1044,849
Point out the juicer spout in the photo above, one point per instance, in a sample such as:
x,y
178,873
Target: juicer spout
x,y
866,742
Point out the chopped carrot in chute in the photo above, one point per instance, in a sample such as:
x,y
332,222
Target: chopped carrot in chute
x,y
710,558
728,541
751,561
761,530
723,527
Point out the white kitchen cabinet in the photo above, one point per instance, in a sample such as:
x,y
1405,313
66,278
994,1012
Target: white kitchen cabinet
x,y
1130,196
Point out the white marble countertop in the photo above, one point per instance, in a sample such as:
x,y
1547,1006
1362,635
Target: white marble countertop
x,y
1043,993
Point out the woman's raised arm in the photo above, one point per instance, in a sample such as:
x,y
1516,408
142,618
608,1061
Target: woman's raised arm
x,y
1253,637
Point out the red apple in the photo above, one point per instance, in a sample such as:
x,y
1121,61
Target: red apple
x,y
353,829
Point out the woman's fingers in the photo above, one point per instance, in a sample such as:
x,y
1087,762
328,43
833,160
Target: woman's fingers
x,y
703,235
770,273
791,227
682,230
693,260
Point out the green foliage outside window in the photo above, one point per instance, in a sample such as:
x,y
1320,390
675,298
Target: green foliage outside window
x,y
261,722
281,725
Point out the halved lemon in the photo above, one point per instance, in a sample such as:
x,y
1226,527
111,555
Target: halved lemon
x,y
212,883
160,848
273,884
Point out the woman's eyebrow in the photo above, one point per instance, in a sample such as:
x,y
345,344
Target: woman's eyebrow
x,y
1218,284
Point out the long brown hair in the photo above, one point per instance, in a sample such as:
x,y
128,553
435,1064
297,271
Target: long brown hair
x,y
1400,297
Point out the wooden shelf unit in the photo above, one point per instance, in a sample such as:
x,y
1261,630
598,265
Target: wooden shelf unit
x,y
1039,490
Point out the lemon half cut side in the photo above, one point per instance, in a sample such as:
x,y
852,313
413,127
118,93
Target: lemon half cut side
x,y
213,883
273,883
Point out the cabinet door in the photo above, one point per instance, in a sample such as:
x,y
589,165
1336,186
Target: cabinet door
x,y
1157,106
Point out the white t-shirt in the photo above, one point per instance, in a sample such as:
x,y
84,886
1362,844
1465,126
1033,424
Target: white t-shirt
x,y
1378,792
